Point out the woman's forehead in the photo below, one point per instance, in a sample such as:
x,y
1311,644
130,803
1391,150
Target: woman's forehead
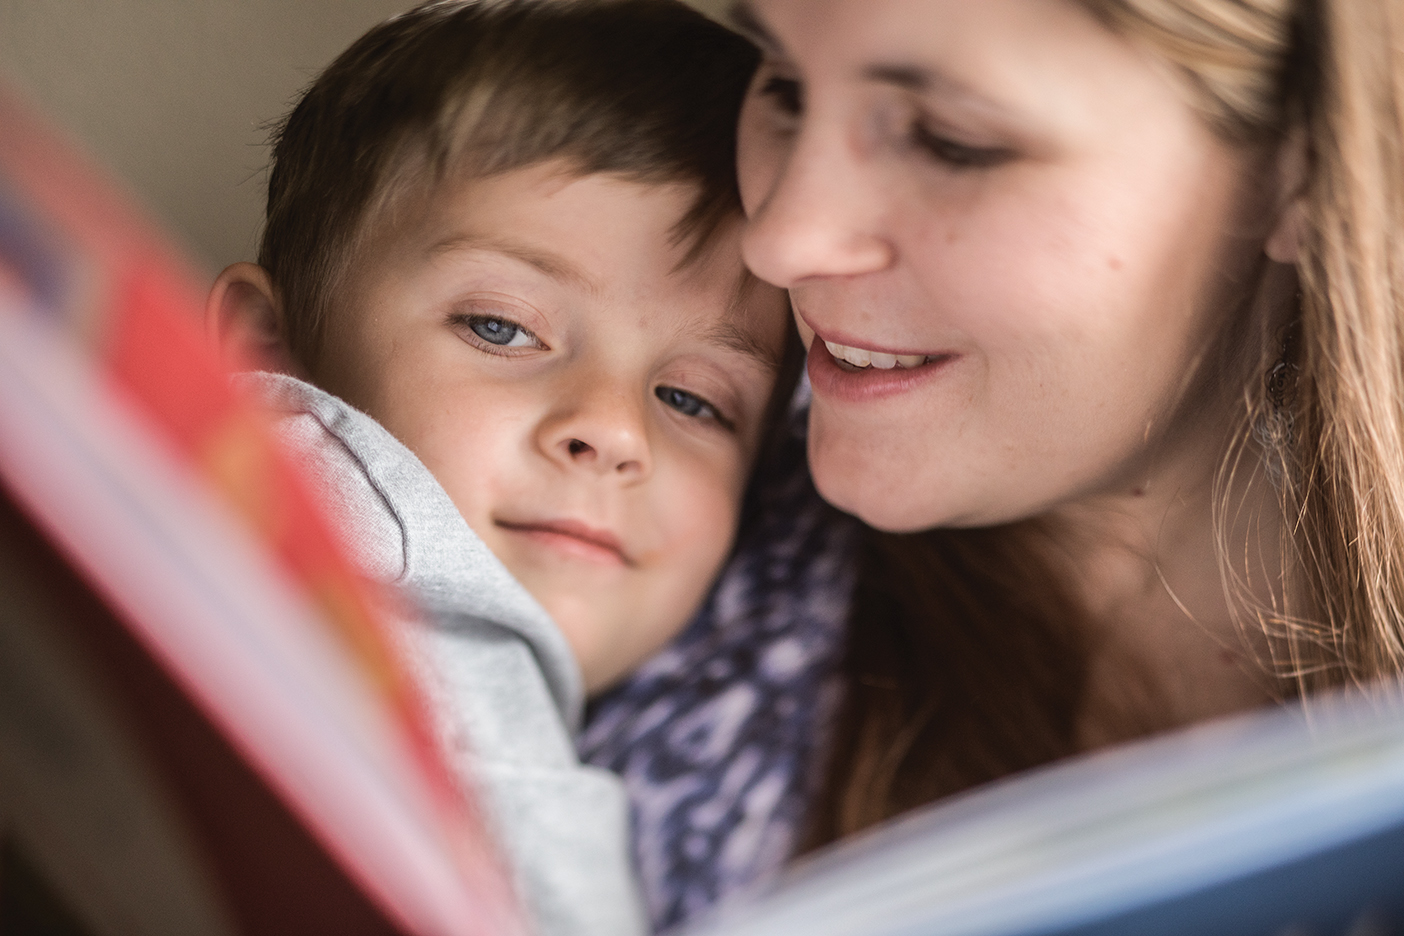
x,y
920,42
1045,72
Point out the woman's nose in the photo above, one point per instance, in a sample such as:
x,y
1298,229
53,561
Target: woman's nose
x,y
820,217
604,433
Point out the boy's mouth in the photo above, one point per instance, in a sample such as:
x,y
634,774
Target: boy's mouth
x,y
572,537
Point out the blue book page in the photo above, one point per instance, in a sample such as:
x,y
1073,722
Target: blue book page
x,y
1285,822
1355,889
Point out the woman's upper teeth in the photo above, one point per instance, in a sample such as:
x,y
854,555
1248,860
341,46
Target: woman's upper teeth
x,y
861,357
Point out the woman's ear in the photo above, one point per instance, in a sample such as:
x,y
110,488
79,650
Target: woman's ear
x,y
245,316
1284,243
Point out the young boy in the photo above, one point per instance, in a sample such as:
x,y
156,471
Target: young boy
x,y
506,234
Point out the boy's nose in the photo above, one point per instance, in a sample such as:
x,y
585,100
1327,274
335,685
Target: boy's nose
x,y
605,433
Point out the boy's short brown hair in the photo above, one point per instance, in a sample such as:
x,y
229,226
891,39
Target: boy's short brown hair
x,y
647,89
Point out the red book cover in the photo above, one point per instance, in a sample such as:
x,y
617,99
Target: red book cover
x,y
182,580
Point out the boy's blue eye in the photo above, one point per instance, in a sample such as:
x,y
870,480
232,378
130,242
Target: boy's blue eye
x,y
496,331
501,332
690,404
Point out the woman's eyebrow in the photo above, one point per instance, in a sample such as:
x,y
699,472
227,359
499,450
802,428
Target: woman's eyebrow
x,y
907,77
745,20
921,79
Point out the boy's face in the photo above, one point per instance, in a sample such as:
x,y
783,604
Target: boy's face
x,y
591,409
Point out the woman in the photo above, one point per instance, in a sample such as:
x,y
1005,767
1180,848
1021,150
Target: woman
x,y
1103,295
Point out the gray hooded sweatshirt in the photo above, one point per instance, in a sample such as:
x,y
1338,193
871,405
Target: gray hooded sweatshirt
x,y
506,688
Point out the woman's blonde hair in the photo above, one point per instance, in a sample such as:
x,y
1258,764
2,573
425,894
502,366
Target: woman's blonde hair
x,y
1333,72
980,669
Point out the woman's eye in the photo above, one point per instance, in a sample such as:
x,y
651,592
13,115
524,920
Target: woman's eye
x,y
690,404
786,93
956,154
500,332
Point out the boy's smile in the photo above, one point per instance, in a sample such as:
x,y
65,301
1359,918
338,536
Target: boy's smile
x,y
572,538
591,404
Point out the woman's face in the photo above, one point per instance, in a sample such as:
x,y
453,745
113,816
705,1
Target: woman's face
x,y
1018,219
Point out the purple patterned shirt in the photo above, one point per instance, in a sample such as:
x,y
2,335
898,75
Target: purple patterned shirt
x,y
719,737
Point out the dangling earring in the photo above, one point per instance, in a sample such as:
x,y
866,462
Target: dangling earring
x,y
1273,427
1281,380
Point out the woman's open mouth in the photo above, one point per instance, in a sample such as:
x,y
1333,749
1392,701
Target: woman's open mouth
x,y
859,358
844,372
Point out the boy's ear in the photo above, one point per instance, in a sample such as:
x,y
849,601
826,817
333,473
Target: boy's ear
x,y
1284,243
245,316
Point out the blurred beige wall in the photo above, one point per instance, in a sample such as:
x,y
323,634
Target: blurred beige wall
x,y
173,95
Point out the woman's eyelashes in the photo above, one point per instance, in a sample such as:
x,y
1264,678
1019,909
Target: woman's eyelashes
x,y
785,94
786,97
954,154
690,404
492,332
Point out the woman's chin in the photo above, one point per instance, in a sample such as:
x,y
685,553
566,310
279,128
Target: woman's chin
x,y
905,492
873,489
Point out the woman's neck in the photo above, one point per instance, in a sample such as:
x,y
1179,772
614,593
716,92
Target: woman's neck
x,y
1169,645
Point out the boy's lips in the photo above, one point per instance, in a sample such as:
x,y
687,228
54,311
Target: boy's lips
x,y
572,537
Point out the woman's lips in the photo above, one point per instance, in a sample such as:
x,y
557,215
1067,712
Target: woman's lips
x,y
887,373
859,358
572,538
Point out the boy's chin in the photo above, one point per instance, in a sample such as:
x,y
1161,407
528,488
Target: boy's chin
x,y
608,643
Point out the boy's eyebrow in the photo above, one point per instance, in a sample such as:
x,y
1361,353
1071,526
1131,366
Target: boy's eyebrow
x,y
731,337
553,265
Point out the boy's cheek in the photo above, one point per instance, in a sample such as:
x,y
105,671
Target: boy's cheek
x,y
698,500
702,520
671,590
